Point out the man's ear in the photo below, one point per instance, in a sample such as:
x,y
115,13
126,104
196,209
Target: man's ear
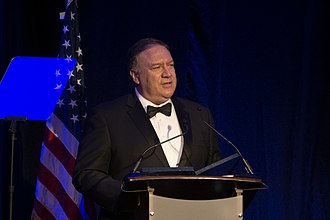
x,y
135,76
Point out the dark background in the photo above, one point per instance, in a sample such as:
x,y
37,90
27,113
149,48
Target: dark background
x,y
261,66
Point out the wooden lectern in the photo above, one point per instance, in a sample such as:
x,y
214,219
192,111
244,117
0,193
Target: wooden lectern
x,y
191,197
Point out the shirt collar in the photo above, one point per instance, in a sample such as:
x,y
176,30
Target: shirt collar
x,y
145,102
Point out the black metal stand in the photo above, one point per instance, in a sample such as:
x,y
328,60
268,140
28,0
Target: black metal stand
x,y
21,83
13,130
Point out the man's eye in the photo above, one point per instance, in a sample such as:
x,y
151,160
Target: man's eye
x,y
155,67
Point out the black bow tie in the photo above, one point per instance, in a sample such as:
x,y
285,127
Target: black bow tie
x,y
165,109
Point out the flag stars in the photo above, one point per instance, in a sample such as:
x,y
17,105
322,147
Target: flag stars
x,y
60,102
73,103
65,29
79,67
79,52
70,74
79,82
74,118
57,73
58,86
66,44
71,89
68,58
72,16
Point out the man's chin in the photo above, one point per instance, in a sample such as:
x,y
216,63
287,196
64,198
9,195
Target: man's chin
x,y
168,94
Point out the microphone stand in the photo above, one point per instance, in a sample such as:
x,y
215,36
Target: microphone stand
x,y
13,130
247,166
137,164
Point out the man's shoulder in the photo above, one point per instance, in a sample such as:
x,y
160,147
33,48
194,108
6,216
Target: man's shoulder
x,y
114,104
183,102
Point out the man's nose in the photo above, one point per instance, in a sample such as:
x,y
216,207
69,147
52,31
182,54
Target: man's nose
x,y
167,72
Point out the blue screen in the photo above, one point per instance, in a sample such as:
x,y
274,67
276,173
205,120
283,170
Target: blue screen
x,y
31,86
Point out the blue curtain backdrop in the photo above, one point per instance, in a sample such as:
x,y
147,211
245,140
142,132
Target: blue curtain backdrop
x,y
262,67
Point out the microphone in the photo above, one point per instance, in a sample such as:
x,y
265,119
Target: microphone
x,y
247,166
141,157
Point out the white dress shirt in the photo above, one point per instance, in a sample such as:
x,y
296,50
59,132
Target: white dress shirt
x,y
166,127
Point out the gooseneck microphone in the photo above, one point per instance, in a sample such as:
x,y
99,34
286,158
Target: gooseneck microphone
x,y
247,166
141,157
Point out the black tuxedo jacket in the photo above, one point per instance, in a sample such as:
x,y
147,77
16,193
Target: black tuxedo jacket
x,y
119,131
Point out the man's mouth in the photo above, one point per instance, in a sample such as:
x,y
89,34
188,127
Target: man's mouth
x,y
166,83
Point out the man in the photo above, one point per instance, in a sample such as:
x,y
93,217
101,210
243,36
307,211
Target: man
x,y
121,130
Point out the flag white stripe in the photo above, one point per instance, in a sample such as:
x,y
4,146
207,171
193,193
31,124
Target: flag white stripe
x,y
55,125
57,169
50,202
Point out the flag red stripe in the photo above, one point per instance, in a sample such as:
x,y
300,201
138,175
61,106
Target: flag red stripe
x,y
59,150
41,210
55,187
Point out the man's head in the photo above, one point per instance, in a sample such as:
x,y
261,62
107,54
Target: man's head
x,y
152,69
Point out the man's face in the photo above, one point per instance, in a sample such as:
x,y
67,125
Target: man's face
x,y
155,74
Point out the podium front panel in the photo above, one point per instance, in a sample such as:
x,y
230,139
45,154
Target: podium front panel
x,y
163,208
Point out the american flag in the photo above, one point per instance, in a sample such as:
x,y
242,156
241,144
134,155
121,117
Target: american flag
x,y
55,196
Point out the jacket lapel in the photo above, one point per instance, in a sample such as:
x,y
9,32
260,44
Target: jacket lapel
x,y
142,122
184,121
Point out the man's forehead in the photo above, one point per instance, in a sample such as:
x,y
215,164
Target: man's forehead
x,y
154,54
